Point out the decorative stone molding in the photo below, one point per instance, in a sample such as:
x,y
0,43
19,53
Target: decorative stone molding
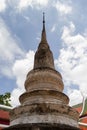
x,y
44,77
38,96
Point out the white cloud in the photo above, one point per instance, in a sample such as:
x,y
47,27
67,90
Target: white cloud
x,y
73,62
2,5
20,69
62,7
75,97
8,45
9,50
53,28
23,4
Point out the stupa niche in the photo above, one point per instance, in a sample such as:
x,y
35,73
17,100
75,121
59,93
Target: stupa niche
x,y
44,106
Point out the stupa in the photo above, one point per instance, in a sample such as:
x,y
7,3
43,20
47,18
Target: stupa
x,y
44,106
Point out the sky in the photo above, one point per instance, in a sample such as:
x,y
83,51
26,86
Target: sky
x,y
20,33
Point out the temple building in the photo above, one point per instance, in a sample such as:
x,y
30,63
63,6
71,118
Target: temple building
x,y
4,116
44,106
82,109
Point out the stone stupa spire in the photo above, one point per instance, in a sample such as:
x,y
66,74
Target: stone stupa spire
x,y
43,55
43,37
44,106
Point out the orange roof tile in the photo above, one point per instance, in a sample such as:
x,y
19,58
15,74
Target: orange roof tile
x,y
79,109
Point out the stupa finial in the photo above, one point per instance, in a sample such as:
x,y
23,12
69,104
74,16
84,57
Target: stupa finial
x,y
43,21
43,37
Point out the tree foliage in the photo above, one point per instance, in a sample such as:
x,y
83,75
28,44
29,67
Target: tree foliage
x,y
5,99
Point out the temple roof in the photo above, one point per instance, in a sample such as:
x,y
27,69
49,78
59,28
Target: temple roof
x,y
79,108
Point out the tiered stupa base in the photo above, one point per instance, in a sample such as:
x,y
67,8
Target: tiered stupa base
x,y
43,104
41,115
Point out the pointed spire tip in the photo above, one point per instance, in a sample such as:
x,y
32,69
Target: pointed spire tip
x,y
43,17
43,21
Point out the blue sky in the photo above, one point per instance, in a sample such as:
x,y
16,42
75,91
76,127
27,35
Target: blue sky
x,y
20,32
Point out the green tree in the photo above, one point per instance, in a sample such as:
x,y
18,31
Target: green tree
x,y
5,99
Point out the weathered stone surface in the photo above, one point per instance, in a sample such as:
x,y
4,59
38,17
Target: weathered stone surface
x,y
44,109
44,79
43,96
43,58
45,119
